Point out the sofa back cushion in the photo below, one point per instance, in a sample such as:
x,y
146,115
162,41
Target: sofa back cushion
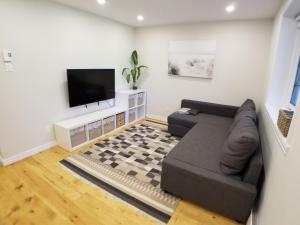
x,y
254,168
247,105
239,146
210,108
247,109
242,114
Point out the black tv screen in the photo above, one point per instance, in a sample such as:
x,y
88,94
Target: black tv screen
x,y
90,85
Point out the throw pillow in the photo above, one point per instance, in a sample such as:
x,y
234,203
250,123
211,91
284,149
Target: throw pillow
x,y
194,112
239,147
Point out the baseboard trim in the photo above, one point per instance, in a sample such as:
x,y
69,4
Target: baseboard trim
x,y
157,118
26,154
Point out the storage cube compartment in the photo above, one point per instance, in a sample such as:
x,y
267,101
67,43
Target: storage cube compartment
x,y
130,106
78,136
140,112
120,120
95,129
132,101
132,115
141,98
109,124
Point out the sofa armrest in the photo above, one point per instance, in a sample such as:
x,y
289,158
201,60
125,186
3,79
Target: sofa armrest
x,y
222,194
210,108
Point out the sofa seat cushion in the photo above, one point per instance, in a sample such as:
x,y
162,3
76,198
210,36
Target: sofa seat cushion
x,y
202,145
219,121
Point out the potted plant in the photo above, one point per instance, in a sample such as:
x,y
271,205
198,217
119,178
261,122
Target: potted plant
x,y
134,73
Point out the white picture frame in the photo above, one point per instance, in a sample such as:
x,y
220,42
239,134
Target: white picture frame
x,y
192,58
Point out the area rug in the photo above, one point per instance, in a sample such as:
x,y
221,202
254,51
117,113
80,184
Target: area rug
x,y
128,166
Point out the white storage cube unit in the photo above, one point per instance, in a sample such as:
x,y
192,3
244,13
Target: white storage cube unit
x,y
135,102
74,133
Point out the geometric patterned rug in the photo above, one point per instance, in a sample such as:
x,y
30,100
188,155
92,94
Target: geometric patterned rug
x,y
128,165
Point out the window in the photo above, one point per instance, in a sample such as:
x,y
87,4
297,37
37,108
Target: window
x,y
296,88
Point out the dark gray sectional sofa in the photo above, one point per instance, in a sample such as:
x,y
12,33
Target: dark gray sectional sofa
x,y
218,162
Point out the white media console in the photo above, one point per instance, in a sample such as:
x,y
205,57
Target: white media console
x,y
130,106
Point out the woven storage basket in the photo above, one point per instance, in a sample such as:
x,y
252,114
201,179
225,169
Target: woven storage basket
x,y
284,121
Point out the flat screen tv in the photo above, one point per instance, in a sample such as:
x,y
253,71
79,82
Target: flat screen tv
x,y
90,85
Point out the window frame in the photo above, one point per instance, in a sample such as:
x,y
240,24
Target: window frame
x,y
292,75
296,85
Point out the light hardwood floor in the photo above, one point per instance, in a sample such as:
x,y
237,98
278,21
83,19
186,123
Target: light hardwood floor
x,y
38,191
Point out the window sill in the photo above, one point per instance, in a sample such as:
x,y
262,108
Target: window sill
x,y
272,113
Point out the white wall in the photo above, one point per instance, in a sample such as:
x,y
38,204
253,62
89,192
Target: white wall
x,y
46,38
279,201
241,63
280,197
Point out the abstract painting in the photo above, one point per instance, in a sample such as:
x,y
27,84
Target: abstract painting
x,y
192,58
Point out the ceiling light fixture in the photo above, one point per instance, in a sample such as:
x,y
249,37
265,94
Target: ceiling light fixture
x,y
101,2
140,17
230,8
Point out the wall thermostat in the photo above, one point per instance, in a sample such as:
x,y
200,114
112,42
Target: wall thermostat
x,y
7,55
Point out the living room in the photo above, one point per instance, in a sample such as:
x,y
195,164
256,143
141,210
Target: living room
x,y
154,112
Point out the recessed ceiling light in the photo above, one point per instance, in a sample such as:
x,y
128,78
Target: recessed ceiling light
x,y
140,17
230,8
101,2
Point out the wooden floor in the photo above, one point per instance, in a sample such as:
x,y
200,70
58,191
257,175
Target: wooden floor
x,y
39,191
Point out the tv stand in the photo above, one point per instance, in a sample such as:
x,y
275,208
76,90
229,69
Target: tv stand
x,y
79,131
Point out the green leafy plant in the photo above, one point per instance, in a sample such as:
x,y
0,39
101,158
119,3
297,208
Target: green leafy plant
x,y
133,74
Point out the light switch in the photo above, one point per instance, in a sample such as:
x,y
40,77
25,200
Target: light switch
x,y
7,55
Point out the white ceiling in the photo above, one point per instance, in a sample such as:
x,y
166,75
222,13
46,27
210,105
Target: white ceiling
x,y
159,12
